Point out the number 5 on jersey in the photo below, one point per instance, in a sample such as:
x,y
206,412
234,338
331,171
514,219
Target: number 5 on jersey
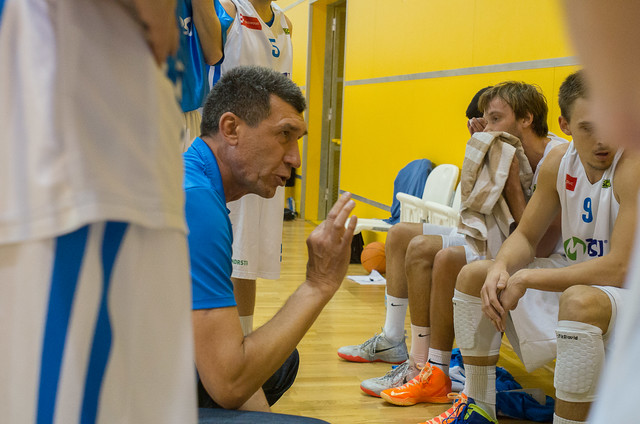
x,y
275,51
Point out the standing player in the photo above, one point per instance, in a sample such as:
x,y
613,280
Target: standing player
x,y
200,45
254,32
94,281
607,37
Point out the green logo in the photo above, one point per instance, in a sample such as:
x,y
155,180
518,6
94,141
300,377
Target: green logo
x,y
571,247
606,183
286,31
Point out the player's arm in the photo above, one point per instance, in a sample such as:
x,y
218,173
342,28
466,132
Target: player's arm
x,y
611,268
233,367
158,18
513,193
209,31
519,248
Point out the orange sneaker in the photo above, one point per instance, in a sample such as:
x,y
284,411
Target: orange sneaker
x,y
450,415
431,385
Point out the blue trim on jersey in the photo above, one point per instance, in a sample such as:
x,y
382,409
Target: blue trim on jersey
x,y
225,23
195,84
273,18
69,252
101,347
1,9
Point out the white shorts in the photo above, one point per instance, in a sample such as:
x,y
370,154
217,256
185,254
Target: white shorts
x,y
96,327
257,236
531,328
451,237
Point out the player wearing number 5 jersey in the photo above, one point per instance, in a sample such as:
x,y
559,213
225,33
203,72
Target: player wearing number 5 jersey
x,y
254,32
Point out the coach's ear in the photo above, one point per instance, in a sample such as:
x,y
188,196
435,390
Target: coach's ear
x,y
228,125
564,125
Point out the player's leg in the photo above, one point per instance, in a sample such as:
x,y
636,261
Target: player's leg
x,y
421,254
448,264
585,315
245,292
476,336
390,345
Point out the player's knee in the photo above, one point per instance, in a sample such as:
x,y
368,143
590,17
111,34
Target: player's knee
x,y
585,304
399,237
472,276
422,250
580,359
475,334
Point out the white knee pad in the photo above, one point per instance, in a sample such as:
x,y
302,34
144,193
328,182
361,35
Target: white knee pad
x,y
580,358
475,334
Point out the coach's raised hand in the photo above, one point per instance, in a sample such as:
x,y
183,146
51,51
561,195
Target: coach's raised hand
x,y
329,247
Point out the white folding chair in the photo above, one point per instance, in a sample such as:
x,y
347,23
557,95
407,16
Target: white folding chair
x,y
438,189
413,209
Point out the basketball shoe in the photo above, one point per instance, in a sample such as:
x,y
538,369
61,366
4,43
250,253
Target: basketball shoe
x,y
431,385
377,349
397,376
463,411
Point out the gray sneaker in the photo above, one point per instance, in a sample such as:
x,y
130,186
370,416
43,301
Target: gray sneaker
x,y
397,376
377,349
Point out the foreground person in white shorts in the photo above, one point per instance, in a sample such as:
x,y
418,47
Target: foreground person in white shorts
x,y
573,300
94,282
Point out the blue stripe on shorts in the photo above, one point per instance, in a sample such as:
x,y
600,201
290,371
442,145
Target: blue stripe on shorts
x,y
69,255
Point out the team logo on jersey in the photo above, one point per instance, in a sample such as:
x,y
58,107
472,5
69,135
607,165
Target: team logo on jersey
x,y
187,28
286,31
250,22
606,183
591,247
570,182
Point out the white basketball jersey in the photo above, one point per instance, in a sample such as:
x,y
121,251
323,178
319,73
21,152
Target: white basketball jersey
x,y
251,42
589,211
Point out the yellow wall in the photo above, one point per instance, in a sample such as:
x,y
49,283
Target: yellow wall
x,y
388,124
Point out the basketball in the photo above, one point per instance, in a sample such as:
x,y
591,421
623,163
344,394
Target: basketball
x,y
373,257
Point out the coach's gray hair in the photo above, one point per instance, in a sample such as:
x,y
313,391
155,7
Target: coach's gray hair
x,y
246,91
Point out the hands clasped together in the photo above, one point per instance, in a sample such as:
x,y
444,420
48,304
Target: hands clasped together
x,y
501,293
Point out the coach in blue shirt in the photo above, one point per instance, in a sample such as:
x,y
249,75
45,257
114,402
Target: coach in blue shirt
x,y
252,121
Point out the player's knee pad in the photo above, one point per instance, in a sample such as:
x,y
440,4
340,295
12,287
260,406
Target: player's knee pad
x,y
475,334
579,361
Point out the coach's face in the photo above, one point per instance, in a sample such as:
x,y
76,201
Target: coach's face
x,y
267,152
594,155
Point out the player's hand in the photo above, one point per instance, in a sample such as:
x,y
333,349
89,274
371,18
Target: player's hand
x,y
515,288
475,125
329,246
496,281
160,27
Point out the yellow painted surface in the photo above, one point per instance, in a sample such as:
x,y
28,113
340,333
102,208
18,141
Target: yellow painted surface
x,y
388,124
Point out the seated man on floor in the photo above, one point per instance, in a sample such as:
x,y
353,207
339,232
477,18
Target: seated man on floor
x,y
414,249
252,121
564,304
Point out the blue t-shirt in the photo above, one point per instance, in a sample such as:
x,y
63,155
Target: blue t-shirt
x,y
210,235
195,84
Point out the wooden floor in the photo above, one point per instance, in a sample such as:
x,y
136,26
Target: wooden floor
x,y
328,387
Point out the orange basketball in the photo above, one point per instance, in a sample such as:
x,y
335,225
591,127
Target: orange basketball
x,y
373,257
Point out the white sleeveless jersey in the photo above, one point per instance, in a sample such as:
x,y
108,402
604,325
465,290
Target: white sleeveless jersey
x,y
589,211
92,136
251,42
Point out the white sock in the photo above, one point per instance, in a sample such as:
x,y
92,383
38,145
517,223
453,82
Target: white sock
x,y
440,359
480,385
420,344
247,324
394,322
560,420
